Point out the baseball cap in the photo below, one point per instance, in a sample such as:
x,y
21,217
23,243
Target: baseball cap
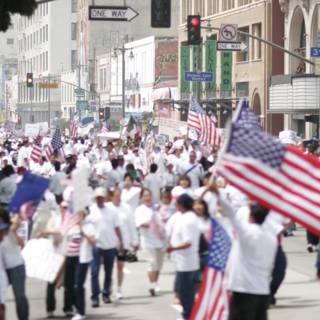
x,y
100,192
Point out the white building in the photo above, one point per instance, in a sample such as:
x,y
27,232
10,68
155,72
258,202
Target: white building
x,y
8,59
68,98
46,44
297,93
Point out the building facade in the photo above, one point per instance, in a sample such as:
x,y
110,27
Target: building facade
x,y
237,75
296,93
47,47
8,62
99,38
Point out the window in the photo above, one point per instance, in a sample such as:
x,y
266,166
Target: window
x,y
213,7
47,31
73,31
41,35
47,8
74,4
73,59
243,2
242,89
227,4
243,55
256,44
47,61
10,41
44,34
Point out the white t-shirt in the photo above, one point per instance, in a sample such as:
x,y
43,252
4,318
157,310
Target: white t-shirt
x,y
252,256
131,196
3,279
12,256
186,230
127,225
144,215
106,220
85,254
22,155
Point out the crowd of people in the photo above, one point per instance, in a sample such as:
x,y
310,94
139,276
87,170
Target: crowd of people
x,y
159,202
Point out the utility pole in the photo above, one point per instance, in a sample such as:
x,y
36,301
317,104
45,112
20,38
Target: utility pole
x,y
49,102
123,81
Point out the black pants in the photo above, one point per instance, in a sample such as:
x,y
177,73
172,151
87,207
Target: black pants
x,y
70,283
244,306
80,290
312,238
51,297
279,271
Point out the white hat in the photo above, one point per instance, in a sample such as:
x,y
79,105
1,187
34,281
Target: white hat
x,y
100,192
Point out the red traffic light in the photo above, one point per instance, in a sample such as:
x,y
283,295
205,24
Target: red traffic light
x,y
195,22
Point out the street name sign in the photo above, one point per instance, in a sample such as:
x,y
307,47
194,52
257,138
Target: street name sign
x,y
104,13
198,76
315,52
47,85
231,46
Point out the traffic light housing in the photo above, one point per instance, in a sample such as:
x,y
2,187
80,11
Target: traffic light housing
x,y
161,13
194,29
29,80
101,114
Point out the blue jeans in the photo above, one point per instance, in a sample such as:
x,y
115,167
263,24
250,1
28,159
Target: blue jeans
x,y
107,257
186,286
17,278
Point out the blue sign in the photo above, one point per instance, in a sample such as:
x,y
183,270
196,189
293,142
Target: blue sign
x,y
315,52
198,76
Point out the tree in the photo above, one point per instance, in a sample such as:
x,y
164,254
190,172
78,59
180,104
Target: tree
x,y
8,7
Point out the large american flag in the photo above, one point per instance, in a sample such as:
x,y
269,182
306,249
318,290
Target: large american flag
x,y
212,301
56,142
279,177
203,124
73,129
36,152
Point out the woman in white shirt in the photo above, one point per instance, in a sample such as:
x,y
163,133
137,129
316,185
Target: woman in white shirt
x,y
184,186
128,230
152,237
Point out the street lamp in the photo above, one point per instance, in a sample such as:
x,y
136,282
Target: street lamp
x,y
131,56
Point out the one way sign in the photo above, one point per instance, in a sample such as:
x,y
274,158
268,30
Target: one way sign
x,y
111,13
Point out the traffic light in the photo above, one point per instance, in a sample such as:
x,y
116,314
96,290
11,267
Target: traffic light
x,y
29,80
161,13
101,114
194,30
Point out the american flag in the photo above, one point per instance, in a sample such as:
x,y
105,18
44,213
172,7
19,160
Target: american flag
x,y
245,117
203,124
36,152
56,142
279,177
48,150
212,301
73,129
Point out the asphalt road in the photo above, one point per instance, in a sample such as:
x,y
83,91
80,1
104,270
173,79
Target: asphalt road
x,y
298,298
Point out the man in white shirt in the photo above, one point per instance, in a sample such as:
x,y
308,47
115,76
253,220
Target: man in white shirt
x,y
153,183
184,246
251,263
108,236
23,155
193,170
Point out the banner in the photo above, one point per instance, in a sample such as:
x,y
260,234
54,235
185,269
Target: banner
x,y
34,129
41,260
197,58
226,74
184,66
211,65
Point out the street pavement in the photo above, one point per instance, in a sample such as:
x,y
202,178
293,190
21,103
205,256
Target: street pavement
x,y
298,298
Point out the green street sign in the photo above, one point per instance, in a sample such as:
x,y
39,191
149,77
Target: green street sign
x,y
78,92
82,105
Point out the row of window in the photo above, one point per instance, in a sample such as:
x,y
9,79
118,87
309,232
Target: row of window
x,y
41,11
37,64
31,41
209,7
67,93
35,94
